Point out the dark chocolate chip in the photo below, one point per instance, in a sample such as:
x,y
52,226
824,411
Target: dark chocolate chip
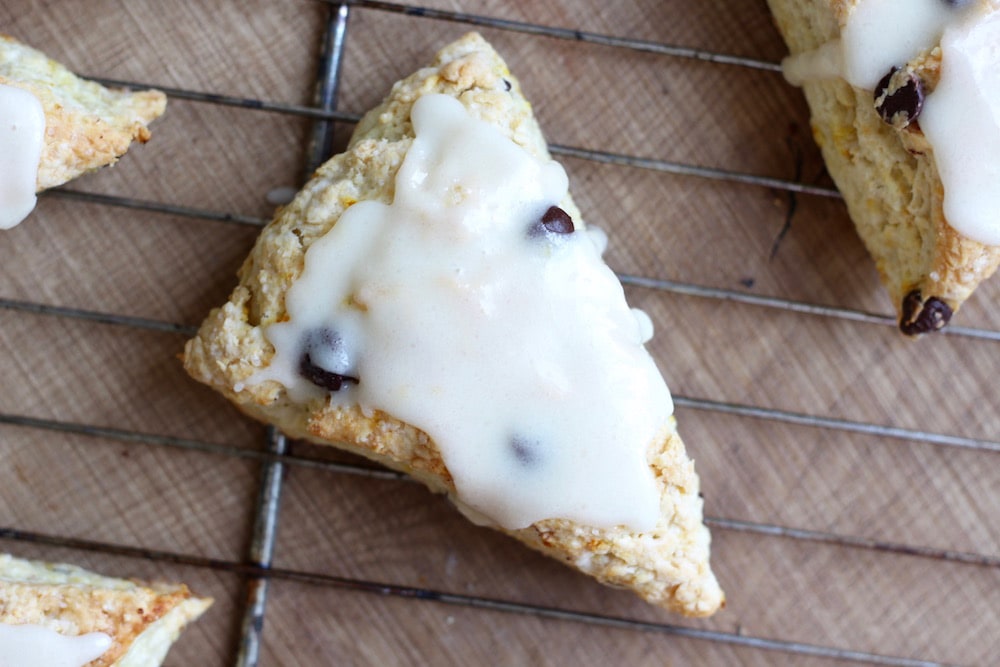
x,y
507,85
322,377
921,316
554,221
525,451
899,97
557,221
324,360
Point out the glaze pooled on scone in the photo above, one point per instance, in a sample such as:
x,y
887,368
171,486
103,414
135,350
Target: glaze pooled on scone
x,y
36,646
473,308
22,133
960,117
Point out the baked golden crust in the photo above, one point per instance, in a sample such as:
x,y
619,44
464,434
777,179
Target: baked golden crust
x,y
87,126
888,178
141,618
668,566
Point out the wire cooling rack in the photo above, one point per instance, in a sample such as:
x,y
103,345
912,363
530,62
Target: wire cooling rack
x,y
850,476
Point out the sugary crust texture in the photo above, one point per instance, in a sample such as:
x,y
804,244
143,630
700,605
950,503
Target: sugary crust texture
x,y
73,601
888,177
668,566
87,126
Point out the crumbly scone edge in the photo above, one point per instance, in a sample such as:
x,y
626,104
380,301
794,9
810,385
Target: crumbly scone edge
x,y
75,601
87,126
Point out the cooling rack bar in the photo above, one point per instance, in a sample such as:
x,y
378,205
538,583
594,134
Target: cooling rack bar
x,y
566,33
797,418
261,551
684,289
154,206
328,88
489,604
267,509
840,424
964,557
680,169
232,101
147,439
188,444
96,316
604,157
688,289
272,454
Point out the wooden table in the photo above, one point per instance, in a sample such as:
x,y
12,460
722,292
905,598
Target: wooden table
x,y
851,476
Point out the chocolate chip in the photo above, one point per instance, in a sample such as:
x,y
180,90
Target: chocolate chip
x,y
921,316
324,360
525,451
507,85
554,222
899,97
322,377
557,221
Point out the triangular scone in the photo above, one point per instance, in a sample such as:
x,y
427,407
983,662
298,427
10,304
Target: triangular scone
x,y
87,125
142,620
878,150
466,95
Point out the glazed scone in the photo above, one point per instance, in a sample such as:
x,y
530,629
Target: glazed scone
x,y
905,106
480,334
57,126
50,610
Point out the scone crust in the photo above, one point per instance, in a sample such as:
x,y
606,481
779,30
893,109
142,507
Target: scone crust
x,y
87,125
668,566
73,601
888,177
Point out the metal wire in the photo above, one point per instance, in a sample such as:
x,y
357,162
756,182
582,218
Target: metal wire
x,y
257,568
267,509
566,33
257,572
273,454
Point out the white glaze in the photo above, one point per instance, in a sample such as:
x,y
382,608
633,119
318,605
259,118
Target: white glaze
x,y
489,340
960,117
22,131
281,195
881,34
877,36
825,62
962,122
36,646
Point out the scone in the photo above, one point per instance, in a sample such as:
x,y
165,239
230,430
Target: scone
x,y
55,126
432,300
905,104
58,614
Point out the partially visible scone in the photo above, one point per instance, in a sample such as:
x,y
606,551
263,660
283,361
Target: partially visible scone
x,y
134,623
86,125
318,392
875,74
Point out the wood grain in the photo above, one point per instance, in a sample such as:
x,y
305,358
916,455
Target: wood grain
x,y
375,541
